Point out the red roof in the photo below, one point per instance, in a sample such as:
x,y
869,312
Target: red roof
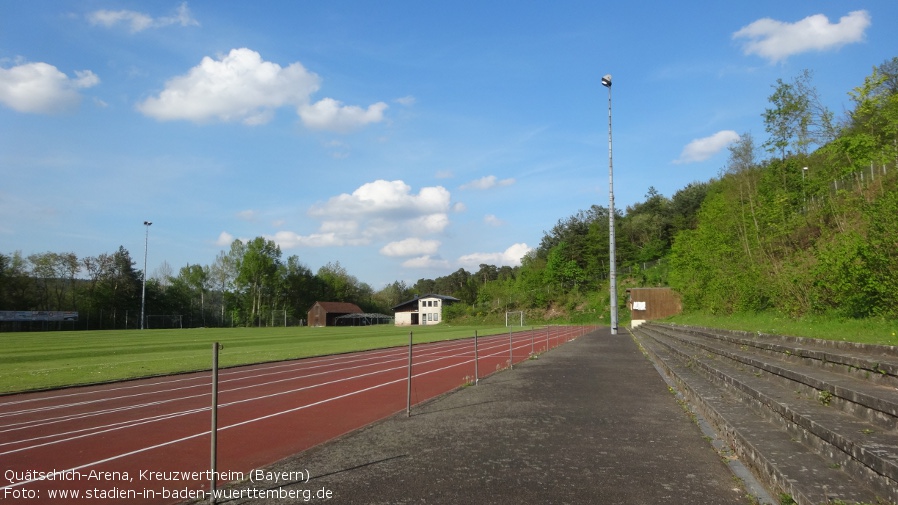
x,y
339,307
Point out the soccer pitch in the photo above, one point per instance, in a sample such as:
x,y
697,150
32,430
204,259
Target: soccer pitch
x,y
33,361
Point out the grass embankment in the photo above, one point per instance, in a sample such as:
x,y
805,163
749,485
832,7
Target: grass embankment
x,y
867,331
31,360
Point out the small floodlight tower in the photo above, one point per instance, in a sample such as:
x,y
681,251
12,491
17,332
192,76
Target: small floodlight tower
x,y
143,293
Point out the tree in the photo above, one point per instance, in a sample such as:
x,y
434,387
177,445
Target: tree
x,y
196,280
561,269
340,286
117,286
257,270
163,275
222,274
788,121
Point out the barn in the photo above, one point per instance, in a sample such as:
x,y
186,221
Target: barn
x,y
326,313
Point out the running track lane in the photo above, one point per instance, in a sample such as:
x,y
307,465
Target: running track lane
x,y
145,432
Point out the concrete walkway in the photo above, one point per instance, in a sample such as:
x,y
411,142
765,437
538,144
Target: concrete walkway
x,y
589,422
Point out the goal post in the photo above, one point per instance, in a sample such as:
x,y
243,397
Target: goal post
x,y
514,315
278,318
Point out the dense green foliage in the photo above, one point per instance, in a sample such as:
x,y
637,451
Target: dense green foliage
x,y
811,230
774,235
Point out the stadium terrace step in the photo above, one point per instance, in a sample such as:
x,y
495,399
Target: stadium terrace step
x,y
814,420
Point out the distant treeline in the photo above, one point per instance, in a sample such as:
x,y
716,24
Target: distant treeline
x,y
810,228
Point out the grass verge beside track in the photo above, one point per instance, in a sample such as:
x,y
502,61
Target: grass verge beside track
x,y
33,361
866,331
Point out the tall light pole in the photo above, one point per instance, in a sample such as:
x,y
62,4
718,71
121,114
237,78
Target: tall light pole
x,y
606,81
143,293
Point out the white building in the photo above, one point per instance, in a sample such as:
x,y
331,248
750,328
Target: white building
x,y
427,309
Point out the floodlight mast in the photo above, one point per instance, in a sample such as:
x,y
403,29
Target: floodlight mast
x,y
612,276
143,293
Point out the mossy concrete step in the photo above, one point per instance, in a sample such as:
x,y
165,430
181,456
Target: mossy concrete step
x,y
878,363
777,458
864,449
874,402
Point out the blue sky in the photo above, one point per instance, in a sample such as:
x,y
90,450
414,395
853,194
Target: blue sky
x,y
402,139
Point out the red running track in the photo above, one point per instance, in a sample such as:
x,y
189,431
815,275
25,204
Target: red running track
x,y
148,441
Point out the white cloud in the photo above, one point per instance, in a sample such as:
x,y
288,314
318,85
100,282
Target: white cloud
x,y
382,198
42,88
331,115
427,262
291,240
408,101
237,87
703,148
777,40
379,210
459,207
241,86
510,257
247,215
492,220
444,174
487,182
224,239
410,247
138,21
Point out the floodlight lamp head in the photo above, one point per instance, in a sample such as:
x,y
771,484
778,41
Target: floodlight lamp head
x,y
147,223
606,81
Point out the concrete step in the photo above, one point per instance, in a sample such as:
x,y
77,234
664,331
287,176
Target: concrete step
x,y
778,414
872,400
875,363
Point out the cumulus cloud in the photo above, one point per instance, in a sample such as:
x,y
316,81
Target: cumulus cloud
x,y
224,239
703,148
490,181
492,220
777,40
292,240
247,215
426,262
386,198
241,86
332,115
379,210
510,257
138,21
42,88
410,247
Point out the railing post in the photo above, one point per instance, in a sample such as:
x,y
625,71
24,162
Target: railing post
x,y
476,370
408,402
213,480
510,351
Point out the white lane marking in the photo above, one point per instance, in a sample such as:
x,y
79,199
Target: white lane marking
x,y
138,422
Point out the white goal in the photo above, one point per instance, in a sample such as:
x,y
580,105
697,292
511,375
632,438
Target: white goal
x,y
279,318
514,317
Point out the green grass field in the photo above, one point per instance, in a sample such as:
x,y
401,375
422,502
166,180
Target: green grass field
x,y
42,360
